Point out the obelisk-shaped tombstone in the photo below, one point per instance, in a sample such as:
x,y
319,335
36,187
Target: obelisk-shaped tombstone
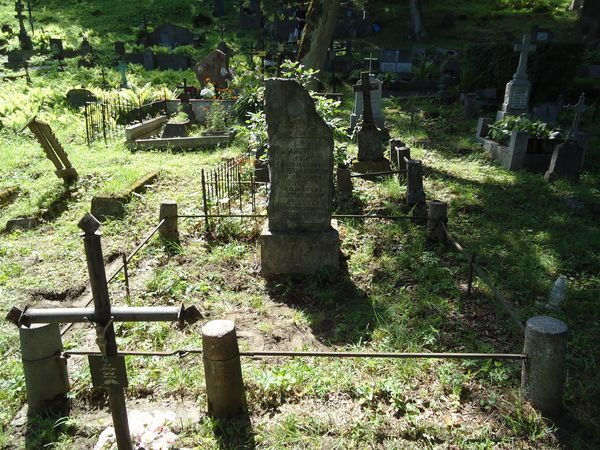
x,y
299,236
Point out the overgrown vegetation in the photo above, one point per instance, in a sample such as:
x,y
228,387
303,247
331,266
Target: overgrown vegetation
x,y
398,293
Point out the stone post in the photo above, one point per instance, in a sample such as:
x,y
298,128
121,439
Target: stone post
x,y
414,186
222,370
437,214
344,183
169,231
469,104
394,144
544,370
46,377
398,157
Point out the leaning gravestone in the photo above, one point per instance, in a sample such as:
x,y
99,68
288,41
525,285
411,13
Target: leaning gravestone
x,y
375,103
516,96
299,236
78,97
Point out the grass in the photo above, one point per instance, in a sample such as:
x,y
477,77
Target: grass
x,y
399,292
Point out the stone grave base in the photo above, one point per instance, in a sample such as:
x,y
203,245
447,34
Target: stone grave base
x,y
298,252
378,165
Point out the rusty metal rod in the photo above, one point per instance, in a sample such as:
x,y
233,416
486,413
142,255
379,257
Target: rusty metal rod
x,y
372,174
276,353
488,282
264,216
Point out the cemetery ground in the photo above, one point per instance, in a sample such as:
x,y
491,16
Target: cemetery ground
x,y
397,293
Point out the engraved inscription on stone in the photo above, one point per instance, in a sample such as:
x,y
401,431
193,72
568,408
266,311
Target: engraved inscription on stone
x,y
300,160
519,98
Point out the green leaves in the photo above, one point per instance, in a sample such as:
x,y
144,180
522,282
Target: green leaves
x,y
501,130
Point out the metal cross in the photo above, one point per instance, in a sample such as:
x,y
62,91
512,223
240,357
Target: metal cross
x,y
366,87
579,109
371,59
525,48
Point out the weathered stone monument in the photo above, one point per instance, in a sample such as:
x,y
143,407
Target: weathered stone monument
x,y
370,150
299,236
213,69
516,96
376,91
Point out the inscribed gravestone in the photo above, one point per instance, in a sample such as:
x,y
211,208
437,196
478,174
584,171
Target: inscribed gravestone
x,y
516,96
213,68
299,236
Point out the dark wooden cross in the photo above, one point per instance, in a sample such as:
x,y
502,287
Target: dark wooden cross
x,y
578,109
525,48
24,38
222,28
108,368
366,87
29,11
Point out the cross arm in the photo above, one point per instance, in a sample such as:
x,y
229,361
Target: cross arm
x,y
359,87
119,314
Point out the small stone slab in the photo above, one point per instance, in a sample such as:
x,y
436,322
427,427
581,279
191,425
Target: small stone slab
x,y
133,132
114,206
78,97
22,223
191,142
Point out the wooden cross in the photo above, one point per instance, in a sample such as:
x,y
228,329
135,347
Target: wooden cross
x,y
525,48
222,28
29,10
53,150
366,87
110,365
579,109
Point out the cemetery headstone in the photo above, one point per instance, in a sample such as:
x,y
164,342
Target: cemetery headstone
x,y
370,149
299,236
546,112
375,95
251,16
85,47
171,36
395,61
54,151
148,59
120,48
567,162
77,97
213,69
516,96
56,48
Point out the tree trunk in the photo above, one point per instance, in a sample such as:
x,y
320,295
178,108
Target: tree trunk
x,y
320,25
416,18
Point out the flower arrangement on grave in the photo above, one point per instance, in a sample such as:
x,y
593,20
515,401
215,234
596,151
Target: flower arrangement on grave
x,y
209,90
501,130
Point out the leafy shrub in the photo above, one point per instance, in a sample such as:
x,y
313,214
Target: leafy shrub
x,y
501,130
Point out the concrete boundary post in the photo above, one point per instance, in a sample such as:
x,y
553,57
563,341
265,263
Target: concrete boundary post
x,y
222,370
168,211
414,183
544,371
437,214
45,370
